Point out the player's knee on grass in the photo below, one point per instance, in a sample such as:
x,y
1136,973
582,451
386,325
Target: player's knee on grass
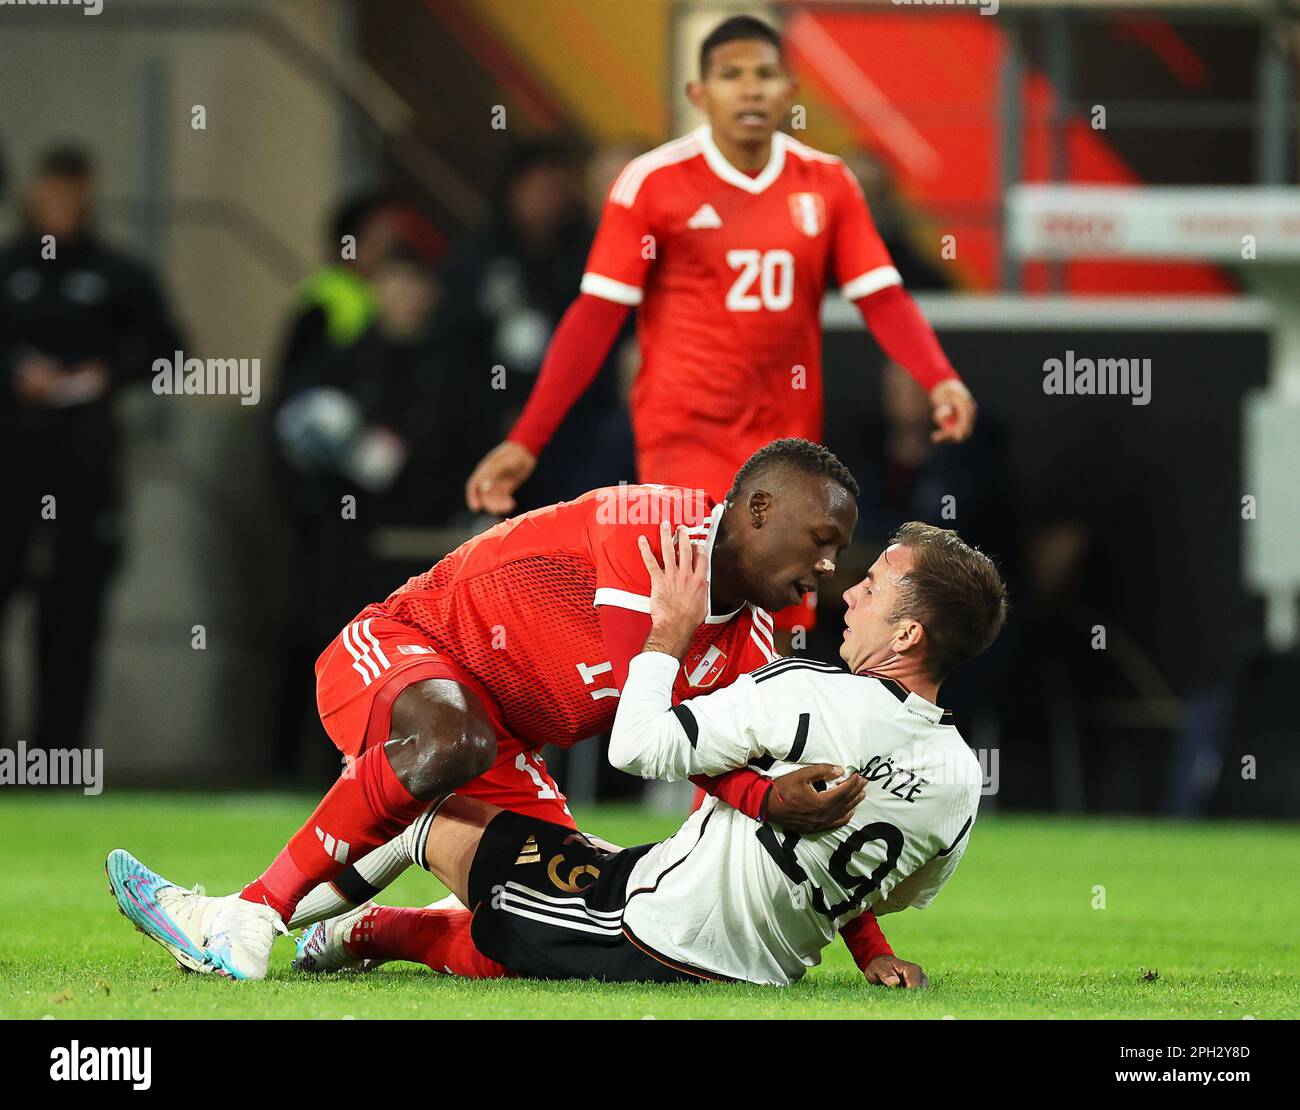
x,y
440,738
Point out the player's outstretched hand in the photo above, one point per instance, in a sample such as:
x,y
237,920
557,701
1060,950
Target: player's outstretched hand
x,y
679,590
890,971
503,470
953,409
797,805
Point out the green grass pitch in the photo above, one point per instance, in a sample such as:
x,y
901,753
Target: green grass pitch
x,y
1199,921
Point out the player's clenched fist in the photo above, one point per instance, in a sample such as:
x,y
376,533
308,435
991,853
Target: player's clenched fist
x,y
679,590
890,971
953,409
503,470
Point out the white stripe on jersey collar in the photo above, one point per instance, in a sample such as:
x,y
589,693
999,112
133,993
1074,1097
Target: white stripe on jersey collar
x,y
718,163
714,518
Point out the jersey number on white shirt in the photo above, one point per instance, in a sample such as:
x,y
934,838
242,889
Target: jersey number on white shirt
x,y
857,886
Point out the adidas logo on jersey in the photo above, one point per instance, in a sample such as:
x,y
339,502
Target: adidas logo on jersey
x,y
336,849
529,853
704,217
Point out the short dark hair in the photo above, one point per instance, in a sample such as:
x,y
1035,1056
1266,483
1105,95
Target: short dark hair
x,y
404,256
735,29
355,211
551,152
956,593
66,160
798,454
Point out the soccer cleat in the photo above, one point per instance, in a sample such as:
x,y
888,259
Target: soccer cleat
x,y
161,910
224,935
321,947
240,938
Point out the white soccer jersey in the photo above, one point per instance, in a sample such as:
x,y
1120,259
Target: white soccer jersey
x,y
757,903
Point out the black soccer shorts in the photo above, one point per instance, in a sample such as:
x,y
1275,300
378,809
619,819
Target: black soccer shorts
x,y
548,904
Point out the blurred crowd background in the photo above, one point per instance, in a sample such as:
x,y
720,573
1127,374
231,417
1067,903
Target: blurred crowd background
x,y
208,160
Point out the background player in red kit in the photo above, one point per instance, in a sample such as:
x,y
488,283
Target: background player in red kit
x,y
521,637
724,240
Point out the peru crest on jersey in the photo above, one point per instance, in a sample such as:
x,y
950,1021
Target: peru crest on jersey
x,y
808,210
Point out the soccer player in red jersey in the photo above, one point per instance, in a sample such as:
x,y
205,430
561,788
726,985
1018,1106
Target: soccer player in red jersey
x,y
521,637
724,241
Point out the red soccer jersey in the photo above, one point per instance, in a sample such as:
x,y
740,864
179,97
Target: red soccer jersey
x,y
729,272
516,606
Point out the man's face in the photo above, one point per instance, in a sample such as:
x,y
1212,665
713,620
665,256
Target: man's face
x,y
59,206
807,520
746,92
379,233
869,636
406,298
541,199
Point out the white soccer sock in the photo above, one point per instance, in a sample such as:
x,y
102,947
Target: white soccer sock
x,y
361,881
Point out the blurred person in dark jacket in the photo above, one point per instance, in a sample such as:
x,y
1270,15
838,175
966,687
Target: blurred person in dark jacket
x,y
336,303
335,307
79,321
507,288
368,437
377,419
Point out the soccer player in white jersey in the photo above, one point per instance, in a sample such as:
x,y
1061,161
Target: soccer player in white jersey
x,y
723,899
